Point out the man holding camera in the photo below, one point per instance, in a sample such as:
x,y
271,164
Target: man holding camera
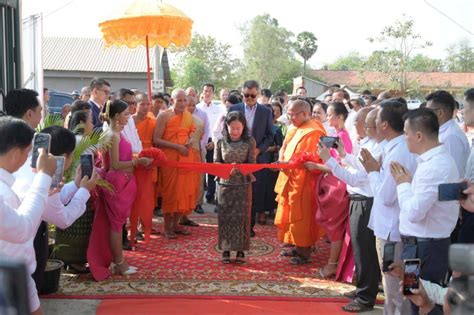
x,y
425,222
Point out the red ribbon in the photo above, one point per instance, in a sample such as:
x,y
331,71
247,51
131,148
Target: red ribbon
x,y
223,170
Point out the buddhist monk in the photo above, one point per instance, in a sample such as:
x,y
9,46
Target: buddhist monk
x,y
146,178
174,128
295,217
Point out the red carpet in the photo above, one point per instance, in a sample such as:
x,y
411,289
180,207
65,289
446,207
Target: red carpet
x,y
209,307
190,267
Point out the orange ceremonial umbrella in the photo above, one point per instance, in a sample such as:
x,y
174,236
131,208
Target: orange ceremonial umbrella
x,y
148,23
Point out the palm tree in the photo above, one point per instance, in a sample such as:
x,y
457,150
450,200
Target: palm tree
x,y
306,46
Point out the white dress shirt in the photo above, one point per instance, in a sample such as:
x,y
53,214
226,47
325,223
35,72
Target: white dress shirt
x,y
205,120
131,134
19,222
213,112
421,214
55,212
455,140
470,167
216,133
384,218
354,174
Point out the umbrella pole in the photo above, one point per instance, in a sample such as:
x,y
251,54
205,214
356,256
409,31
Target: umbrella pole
x,y
148,68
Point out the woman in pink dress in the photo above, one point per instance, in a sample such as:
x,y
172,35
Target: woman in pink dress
x,y
105,245
331,194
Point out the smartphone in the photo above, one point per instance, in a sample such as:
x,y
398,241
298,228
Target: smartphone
x,y
411,277
58,173
87,165
388,256
452,191
41,140
330,142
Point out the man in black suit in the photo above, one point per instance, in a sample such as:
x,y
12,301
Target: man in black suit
x,y
260,123
100,91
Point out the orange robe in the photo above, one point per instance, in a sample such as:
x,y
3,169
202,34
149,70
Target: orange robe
x,y
146,182
295,217
177,191
197,157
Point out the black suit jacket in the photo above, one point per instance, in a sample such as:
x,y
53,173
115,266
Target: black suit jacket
x,y
262,129
95,114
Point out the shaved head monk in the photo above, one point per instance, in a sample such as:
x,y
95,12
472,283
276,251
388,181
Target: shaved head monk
x,y
174,128
295,218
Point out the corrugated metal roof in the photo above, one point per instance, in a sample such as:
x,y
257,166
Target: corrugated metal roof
x,y
89,54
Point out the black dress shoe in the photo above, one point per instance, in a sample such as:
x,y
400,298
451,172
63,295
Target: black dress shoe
x,y
157,212
126,245
252,233
199,209
216,209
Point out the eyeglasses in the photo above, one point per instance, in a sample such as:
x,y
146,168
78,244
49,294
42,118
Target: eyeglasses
x,y
250,95
107,92
369,127
130,103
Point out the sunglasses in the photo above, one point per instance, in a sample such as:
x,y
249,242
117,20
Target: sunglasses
x,y
250,95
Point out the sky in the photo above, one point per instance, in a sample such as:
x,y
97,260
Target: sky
x,y
340,26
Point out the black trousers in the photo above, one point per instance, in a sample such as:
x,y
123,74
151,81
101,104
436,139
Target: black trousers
x,y
40,244
210,179
434,260
365,253
466,232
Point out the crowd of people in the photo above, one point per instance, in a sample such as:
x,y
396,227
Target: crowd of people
x,y
375,185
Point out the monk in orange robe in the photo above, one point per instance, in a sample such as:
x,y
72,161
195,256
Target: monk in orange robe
x,y
295,217
173,131
146,178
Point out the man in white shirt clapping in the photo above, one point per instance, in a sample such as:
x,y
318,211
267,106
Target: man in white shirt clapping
x,y
425,222
386,210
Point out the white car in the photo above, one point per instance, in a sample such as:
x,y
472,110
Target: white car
x,y
413,104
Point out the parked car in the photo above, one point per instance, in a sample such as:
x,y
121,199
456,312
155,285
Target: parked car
x,y
413,104
57,101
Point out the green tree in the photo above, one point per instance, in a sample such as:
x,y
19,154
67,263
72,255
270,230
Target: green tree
x,y
420,63
267,48
400,40
194,73
209,60
306,47
460,57
352,61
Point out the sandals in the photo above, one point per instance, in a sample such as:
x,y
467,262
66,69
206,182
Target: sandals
x,y
115,269
300,260
170,235
329,276
289,253
356,307
240,258
225,257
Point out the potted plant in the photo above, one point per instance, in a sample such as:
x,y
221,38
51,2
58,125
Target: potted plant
x,y
52,273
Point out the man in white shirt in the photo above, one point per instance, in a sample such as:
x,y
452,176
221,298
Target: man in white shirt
x,y
466,233
426,223
385,211
130,130
361,196
213,112
15,144
450,134
356,104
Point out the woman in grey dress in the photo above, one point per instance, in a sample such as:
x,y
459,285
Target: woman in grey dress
x,y
234,193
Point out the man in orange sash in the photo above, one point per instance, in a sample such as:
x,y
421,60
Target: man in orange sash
x,y
146,178
295,217
173,131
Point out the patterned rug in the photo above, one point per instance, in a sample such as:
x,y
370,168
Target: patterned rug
x,y
190,267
